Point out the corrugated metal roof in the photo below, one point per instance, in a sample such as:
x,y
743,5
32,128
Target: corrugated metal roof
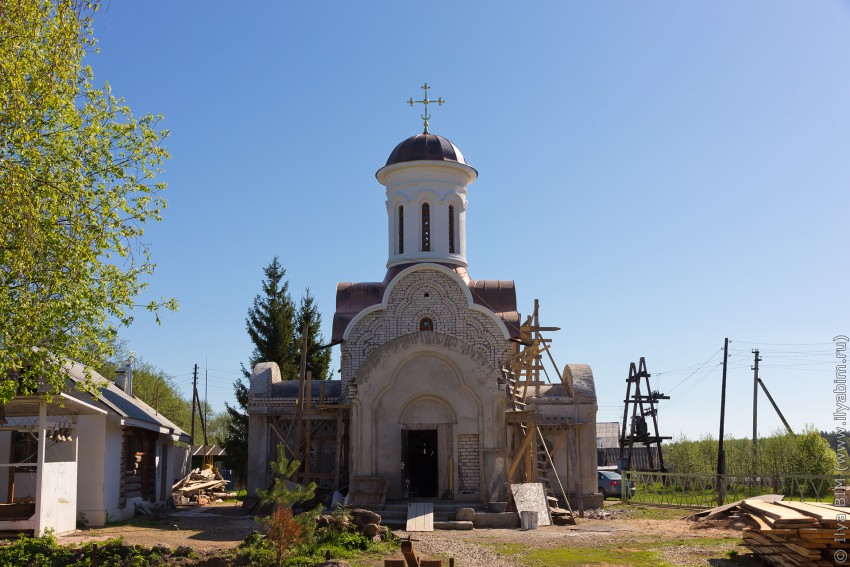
x,y
207,451
118,402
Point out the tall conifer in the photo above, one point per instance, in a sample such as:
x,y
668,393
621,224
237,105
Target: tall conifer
x,y
318,361
271,323
274,325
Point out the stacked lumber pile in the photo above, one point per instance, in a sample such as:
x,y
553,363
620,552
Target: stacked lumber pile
x,y
201,487
795,534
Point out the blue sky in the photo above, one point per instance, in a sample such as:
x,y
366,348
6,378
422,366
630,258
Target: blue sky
x,y
661,175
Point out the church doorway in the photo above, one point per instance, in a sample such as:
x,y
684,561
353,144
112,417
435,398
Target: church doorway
x,y
421,463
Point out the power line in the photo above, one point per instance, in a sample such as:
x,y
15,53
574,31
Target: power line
x,y
695,384
782,344
694,372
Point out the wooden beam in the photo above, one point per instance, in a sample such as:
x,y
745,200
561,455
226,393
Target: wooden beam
x,y
554,470
308,447
520,452
559,442
282,439
337,449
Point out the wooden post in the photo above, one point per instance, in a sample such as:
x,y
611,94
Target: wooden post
x,y
299,406
308,449
522,450
39,475
309,389
756,360
721,457
409,556
338,448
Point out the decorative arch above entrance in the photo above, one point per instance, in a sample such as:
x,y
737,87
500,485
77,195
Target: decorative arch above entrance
x,y
427,410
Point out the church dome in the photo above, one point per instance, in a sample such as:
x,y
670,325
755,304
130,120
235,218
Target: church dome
x,y
426,147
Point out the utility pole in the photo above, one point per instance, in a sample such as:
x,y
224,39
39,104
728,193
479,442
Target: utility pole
x,y
755,369
721,457
206,389
194,397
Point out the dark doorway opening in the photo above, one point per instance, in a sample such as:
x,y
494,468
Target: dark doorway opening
x,y
422,463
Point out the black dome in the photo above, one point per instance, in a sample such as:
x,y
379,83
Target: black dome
x,y
428,147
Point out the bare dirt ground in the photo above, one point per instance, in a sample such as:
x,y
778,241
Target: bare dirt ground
x,y
209,530
206,529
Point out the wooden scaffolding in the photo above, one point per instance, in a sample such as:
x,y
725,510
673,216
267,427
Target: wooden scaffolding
x,y
643,406
531,455
316,432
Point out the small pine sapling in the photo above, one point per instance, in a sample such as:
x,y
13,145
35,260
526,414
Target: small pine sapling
x,y
283,529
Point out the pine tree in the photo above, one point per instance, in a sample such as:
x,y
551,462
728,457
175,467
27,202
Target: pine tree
x,y
274,326
318,361
271,323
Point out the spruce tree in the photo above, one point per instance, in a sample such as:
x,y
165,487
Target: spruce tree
x,y
318,361
271,323
274,326
271,326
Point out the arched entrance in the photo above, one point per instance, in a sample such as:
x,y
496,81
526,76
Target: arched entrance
x,y
427,452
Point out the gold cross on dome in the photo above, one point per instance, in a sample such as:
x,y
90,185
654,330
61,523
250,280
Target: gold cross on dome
x,y
426,117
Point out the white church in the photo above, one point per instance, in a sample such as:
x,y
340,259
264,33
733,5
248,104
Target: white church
x,y
426,407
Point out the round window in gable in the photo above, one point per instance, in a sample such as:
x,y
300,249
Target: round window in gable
x,y
426,324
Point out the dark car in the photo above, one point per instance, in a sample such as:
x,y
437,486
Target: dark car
x,y
611,483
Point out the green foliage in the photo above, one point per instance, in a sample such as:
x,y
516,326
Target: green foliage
x,y
274,326
284,492
78,184
806,453
339,542
155,387
271,323
45,552
318,361
284,530
235,437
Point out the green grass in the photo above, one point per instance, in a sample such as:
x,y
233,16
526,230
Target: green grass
x,y
576,556
703,494
640,552
649,512
637,553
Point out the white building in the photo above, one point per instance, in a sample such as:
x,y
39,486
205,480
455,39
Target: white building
x,y
122,450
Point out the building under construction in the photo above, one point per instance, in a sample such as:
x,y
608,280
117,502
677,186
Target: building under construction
x,y
445,393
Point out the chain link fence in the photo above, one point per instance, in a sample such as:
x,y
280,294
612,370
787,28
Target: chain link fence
x,y
709,490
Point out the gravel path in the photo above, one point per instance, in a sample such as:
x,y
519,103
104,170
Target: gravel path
x,y
466,553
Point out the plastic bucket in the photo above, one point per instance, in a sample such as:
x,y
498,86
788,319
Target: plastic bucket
x,y
528,520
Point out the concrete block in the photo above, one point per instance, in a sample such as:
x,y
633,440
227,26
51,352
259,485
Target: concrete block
x,y
453,525
465,515
489,520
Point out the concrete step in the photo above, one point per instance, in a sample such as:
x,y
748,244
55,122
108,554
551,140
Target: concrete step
x,y
394,514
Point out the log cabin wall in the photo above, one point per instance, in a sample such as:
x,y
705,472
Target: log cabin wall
x,y
138,463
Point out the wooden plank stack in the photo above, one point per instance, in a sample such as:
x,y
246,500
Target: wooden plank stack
x,y
368,491
796,534
201,486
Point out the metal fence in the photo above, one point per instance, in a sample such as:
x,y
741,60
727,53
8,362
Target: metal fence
x,y
705,490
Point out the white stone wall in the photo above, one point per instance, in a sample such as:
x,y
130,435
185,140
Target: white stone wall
x,y
431,293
